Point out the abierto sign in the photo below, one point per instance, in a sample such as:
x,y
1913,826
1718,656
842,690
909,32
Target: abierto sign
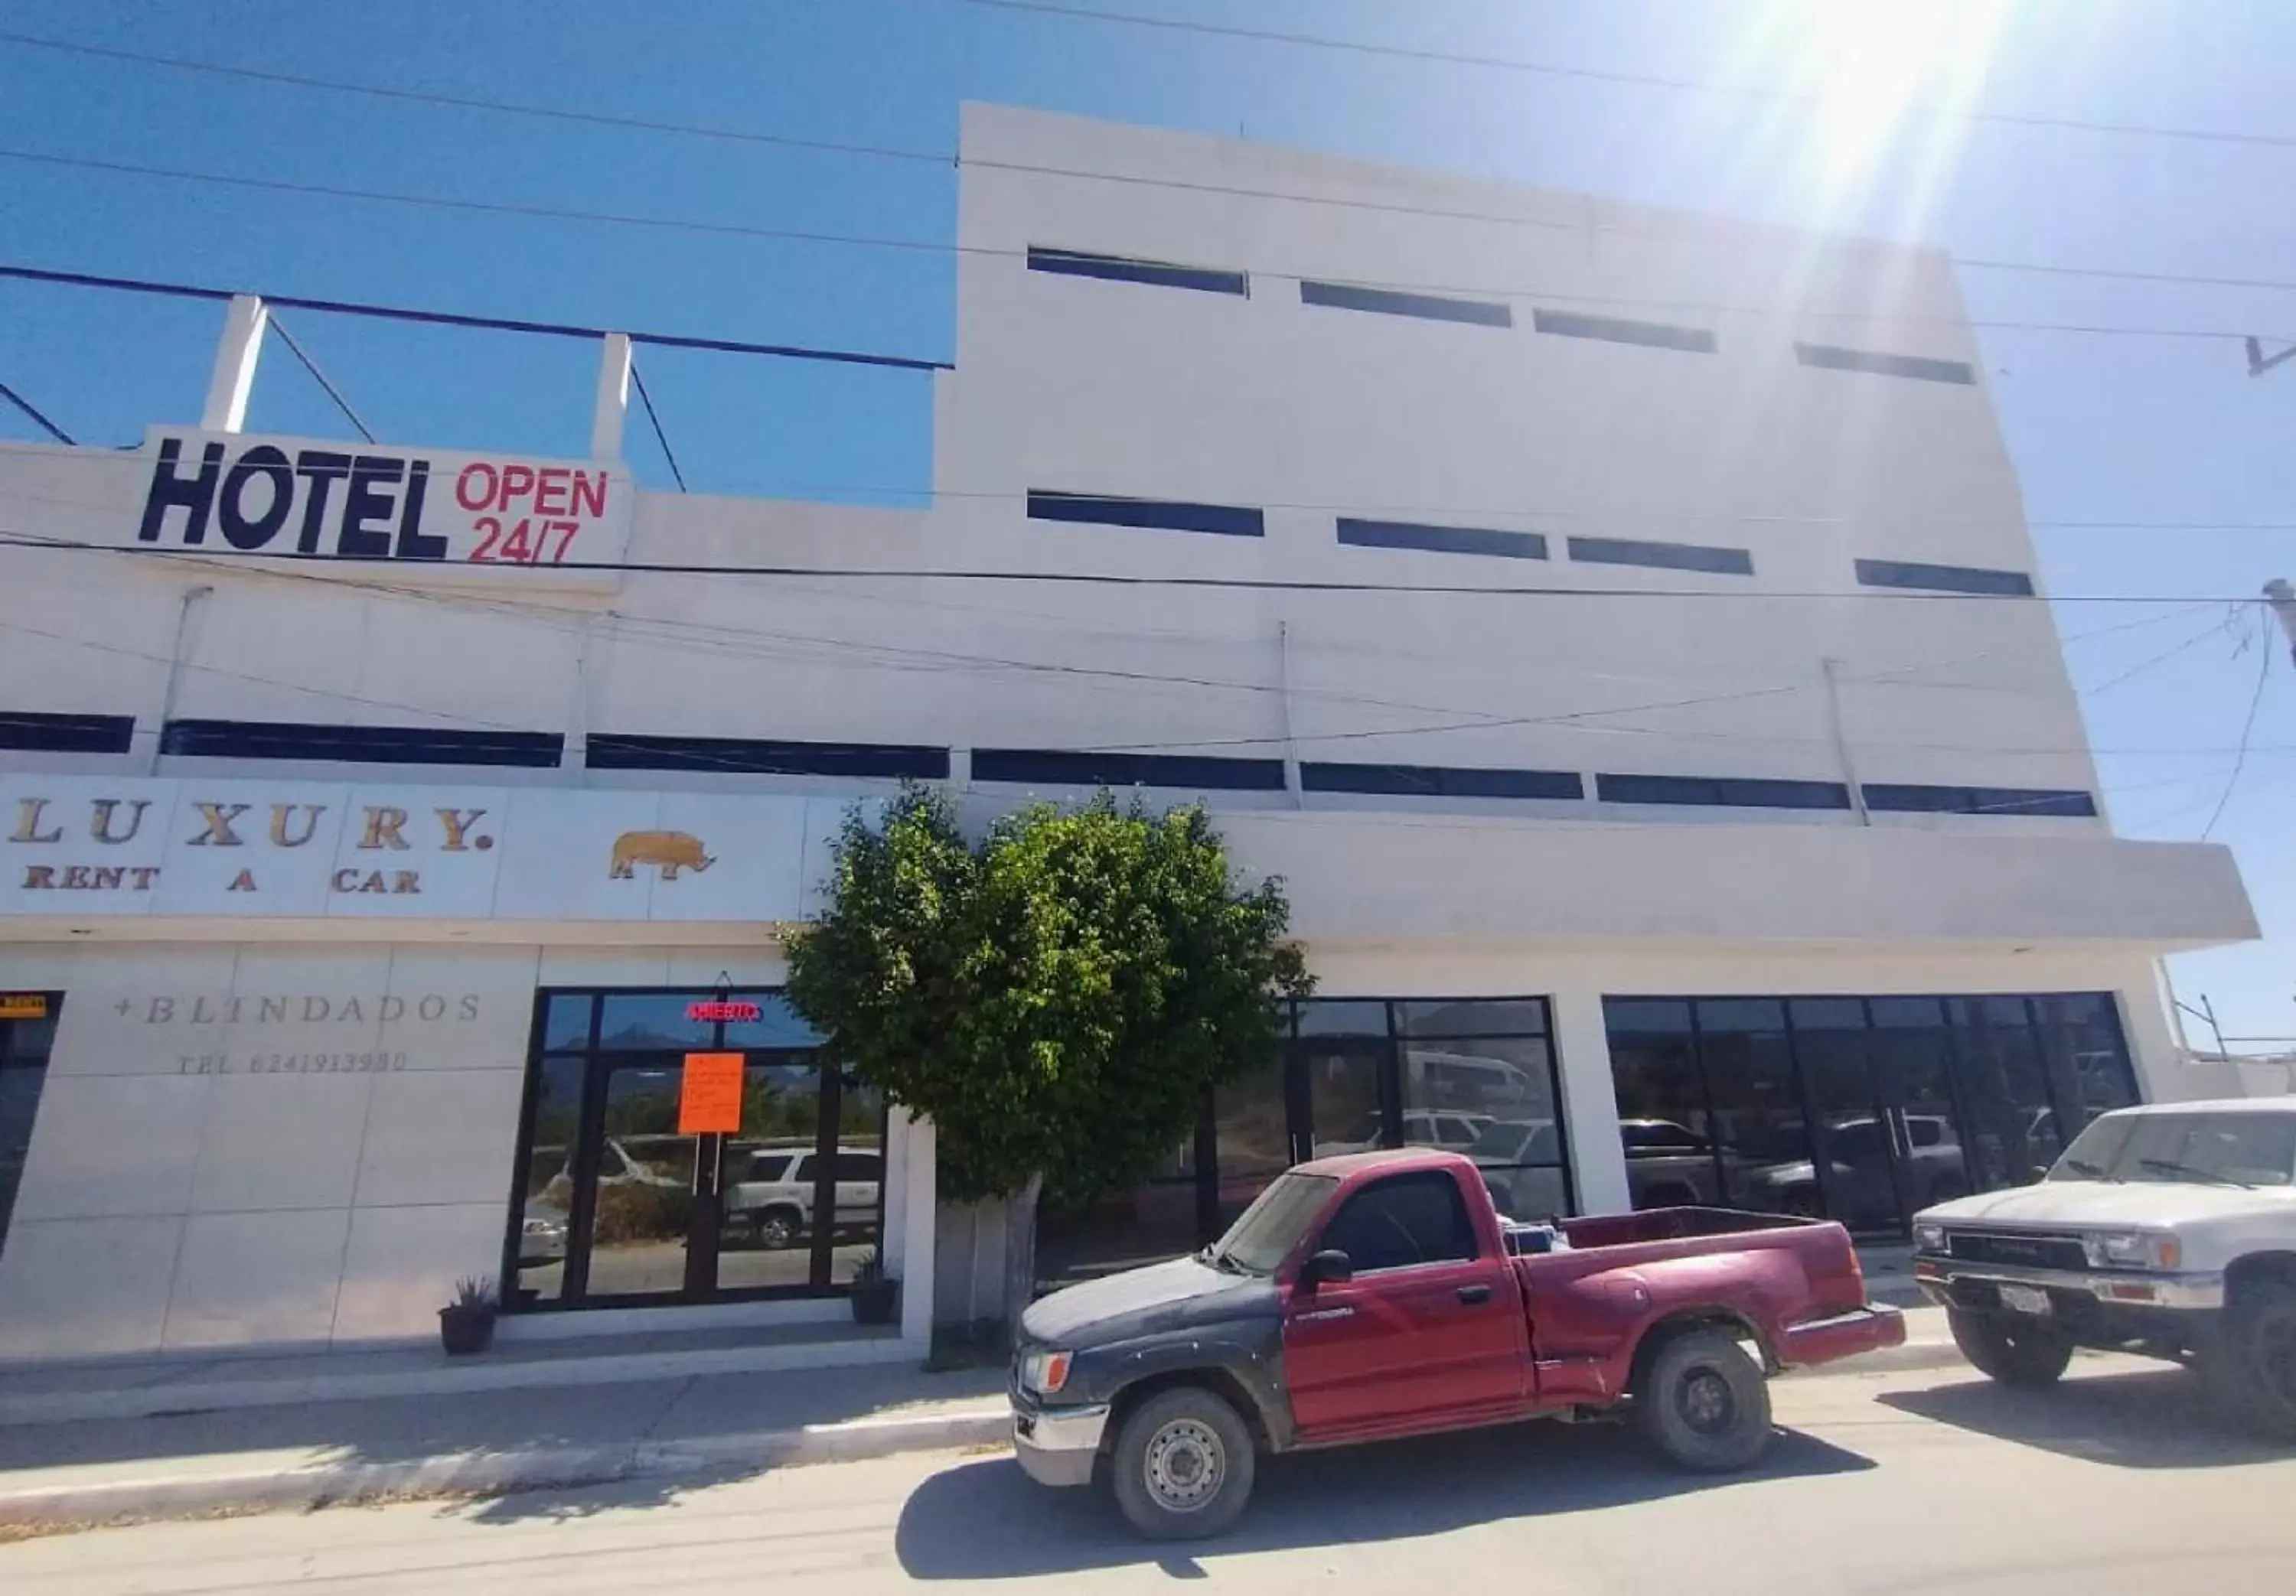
x,y
229,493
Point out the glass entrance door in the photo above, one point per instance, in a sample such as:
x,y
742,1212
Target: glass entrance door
x,y
617,1205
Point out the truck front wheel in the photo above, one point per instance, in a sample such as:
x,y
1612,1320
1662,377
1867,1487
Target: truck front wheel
x,y
1182,1465
1704,1402
2025,1353
2255,1358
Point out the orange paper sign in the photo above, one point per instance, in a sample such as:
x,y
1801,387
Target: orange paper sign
x,y
709,1095
23,1005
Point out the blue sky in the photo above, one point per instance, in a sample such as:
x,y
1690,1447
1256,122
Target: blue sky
x,y
2102,428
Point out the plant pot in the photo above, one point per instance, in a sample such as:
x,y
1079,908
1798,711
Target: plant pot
x,y
465,1331
874,1300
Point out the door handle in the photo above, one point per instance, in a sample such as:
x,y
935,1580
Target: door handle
x,y
1474,1296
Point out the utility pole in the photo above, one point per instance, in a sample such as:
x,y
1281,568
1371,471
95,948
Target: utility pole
x,y
2283,600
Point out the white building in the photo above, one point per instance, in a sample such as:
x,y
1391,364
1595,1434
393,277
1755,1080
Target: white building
x,y
1765,825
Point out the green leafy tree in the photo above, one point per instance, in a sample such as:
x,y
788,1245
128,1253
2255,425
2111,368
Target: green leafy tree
x,y
1054,997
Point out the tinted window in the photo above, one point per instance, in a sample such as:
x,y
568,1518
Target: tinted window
x,y
1657,335
1919,367
1119,268
1659,1138
1670,556
1405,1220
804,1171
858,1167
1942,578
1229,521
1429,308
768,1166
1442,540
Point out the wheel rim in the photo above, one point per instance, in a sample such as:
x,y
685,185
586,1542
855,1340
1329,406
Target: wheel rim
x,y
1705,1401
773,1232
1185,1465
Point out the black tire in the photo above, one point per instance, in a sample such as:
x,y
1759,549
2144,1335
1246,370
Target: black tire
x,y
2010,1349
2251,1367
1704,1402
776,1229
1182,1465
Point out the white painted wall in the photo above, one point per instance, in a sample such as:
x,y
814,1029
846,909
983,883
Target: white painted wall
x,y
169,1207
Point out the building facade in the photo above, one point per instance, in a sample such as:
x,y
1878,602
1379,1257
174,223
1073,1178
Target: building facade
x,y
1618,628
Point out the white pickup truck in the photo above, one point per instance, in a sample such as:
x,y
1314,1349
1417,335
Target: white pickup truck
x,y
2167,1229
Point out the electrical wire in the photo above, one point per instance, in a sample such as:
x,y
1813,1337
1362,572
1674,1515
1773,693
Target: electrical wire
x,y
654,417
2247,731
956,158
1773,93
443,318
2214,629
318,376
938,246
13,539
29,409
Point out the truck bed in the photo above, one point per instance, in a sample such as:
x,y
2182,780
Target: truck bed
x,y
1791,1285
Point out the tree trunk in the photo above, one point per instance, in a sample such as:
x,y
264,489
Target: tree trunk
x,y
1020,1254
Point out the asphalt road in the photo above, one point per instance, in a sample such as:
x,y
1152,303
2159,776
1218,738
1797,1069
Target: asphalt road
x,y
1913,1482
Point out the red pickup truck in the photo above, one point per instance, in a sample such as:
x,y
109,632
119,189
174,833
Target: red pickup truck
x,y
1381,1295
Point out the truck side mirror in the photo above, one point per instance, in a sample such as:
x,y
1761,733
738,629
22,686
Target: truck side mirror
x,y
1330,1266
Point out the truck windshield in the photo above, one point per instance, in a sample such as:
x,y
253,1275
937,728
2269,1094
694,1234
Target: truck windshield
x,y
1272,1226
2208,1149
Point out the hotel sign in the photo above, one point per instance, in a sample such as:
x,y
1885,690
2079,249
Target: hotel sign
x,y
231,494
91,847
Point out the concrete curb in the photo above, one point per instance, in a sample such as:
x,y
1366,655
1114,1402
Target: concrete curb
x,y
562,1468
495,1473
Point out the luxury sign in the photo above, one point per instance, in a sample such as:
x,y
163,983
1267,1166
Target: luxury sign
x,y
230,494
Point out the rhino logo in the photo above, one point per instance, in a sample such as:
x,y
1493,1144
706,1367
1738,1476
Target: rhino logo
x,y
668,852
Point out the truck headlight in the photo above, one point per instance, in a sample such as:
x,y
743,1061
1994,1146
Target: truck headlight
x,y
1929,1238
2131,1250
1045,1372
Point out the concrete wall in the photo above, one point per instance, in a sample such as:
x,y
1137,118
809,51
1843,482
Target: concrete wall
x,y
188,1191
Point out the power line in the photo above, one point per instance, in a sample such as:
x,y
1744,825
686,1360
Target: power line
x,y
2247,731
318,376
32,409
938,246
659,435
955,158
1636,80
2213,629
445,318
1241,583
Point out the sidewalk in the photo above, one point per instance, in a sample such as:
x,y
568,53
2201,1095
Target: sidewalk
x,y
257,1450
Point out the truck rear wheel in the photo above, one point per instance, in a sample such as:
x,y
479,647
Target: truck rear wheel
x,y
1182,1466
1704,1402
2028,1353
2252,1365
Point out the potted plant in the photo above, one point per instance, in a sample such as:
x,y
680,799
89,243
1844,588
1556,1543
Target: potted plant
x,y
466,1325
873,1291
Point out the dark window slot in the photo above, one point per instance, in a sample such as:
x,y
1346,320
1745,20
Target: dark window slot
x,y
1185,772
1943,578
1722,792
66,734
1156,273
358,745
1438,781
1656,335
1228,521
1442,540
1907,799
1919,367
754,756
1667,556
1426,307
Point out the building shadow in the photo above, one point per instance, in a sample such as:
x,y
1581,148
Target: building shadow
x,y
987,1520
2153,1418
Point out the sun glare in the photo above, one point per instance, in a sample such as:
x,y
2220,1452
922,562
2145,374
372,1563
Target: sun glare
x,y
1878,68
